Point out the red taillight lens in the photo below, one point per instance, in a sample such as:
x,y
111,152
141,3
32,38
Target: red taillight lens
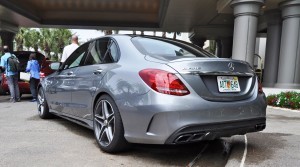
x,y
164,82
260,90
42,75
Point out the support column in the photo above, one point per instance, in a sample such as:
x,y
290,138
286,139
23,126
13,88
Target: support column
x,y
272,48
7,39
246,14
289,60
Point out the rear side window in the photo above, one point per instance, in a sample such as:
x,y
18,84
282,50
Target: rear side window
x,y
103,51
155,47
112,54
93,56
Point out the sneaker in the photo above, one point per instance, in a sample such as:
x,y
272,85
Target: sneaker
x,y
18,100
33,100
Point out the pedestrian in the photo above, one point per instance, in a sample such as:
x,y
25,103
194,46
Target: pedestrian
x,y
69,49
12,74
34,68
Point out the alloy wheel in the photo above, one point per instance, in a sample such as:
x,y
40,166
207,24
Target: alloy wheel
x,y
41,102
104,122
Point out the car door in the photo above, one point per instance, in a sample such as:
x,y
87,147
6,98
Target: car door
x,y
63,83
102,57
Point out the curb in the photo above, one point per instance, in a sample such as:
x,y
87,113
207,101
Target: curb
x,y
283,109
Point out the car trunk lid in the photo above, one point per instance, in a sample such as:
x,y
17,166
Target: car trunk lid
x,y
217,79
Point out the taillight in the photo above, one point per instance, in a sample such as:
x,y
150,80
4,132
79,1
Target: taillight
x,y
42,75
164,82
260,90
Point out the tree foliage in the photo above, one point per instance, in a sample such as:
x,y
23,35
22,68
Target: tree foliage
x,y
212,46
51,41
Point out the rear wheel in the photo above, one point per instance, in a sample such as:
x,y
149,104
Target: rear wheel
x,y
42,105
108,126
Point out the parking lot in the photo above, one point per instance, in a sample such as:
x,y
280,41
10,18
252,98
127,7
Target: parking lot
x,y
27,140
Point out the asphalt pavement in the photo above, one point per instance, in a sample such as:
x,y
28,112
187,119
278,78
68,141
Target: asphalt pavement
x,y
27,140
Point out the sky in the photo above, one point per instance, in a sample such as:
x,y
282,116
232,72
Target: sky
x,y
85,35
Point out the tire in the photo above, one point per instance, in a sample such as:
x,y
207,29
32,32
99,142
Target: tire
x,y
108,126
42,105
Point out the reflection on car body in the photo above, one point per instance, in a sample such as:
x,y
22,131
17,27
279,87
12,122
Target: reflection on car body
x,y
140,89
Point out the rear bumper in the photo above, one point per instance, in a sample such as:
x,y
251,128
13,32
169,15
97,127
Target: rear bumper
x,y
162,119
211,131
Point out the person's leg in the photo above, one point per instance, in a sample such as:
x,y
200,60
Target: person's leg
x,y
32,87
34,94
10,83
16,86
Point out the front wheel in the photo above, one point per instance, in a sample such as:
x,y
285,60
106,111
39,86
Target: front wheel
x,y
108,126
42,105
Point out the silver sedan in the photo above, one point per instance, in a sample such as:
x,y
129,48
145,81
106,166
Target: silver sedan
x,y
144,89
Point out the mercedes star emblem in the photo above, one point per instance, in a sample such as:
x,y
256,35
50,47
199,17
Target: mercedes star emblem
x,y
231,66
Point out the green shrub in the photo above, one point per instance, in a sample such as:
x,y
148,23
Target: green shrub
x,y
285,99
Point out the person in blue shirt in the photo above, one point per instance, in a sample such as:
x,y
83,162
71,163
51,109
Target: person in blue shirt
x,y
34,68
12,77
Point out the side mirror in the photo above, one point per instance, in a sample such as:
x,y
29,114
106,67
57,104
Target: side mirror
x,y
55,66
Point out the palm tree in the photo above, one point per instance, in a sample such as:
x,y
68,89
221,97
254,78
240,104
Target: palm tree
x,y
49,40
31,39
63,38
53,40
19,38
46,41
35,36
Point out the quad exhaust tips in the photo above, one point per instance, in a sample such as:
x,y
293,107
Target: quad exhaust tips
x,y
190,137
260,127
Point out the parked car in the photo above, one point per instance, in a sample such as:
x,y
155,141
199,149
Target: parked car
x,y
23,57
142,89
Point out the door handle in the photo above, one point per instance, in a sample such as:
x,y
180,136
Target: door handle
x,y
70,73
98,71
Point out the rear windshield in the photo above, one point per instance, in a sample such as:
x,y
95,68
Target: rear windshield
x,y
172,48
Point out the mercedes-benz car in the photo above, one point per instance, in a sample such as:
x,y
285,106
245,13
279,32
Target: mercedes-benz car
x,y
145,89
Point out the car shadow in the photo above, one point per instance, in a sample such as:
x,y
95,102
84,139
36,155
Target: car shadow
x,y
170,155
74,128
216,151
4,98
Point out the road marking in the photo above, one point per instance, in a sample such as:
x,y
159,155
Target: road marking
x,y
245,152
198,156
